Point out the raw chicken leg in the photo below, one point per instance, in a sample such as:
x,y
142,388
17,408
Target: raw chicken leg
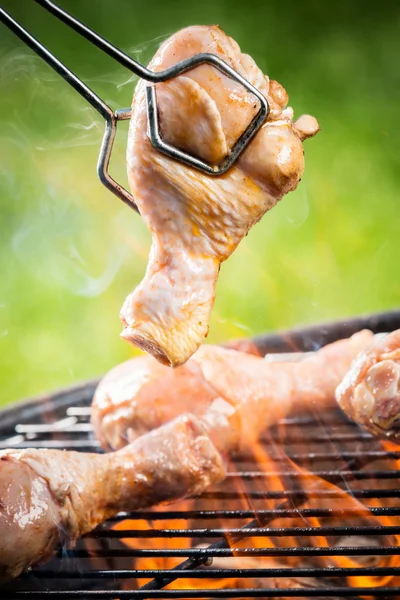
x,y
370,392
196,220
236,395
50,496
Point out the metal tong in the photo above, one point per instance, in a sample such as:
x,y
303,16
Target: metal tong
x,y
112,118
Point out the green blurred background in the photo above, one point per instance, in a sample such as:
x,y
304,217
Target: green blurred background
x,y
71,252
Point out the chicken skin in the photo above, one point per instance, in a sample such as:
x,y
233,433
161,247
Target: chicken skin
x,y
51,496
370,392
236,395
196,221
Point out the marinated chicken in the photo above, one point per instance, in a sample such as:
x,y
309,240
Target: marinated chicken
x,y
196,221
370,392
50,496
236,395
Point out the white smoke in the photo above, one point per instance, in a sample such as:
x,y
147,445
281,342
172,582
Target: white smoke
x,y
55,233
52,243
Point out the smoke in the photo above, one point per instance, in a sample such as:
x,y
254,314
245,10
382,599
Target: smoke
x,y
49,226
55,227
85,132
42,89
19,65
53,243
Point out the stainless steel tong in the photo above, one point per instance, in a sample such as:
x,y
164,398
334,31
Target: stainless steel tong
x,y
112,118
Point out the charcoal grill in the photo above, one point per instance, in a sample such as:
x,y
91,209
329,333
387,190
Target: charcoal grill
x,y
203,533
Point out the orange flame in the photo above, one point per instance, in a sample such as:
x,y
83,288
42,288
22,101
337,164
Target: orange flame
x,y
249,493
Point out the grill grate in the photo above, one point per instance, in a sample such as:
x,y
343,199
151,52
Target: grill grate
x,y
314,512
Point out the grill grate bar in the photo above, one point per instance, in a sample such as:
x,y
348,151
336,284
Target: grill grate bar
x,y
217,573
278,495
218,550
330,420
82,445
250,532
83,427
330,475
277,458
355,436
73,427
278,513
61,425
19,441
328,456
79,411
321,592
71,424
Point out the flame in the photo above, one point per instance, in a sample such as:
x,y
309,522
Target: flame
x,y
250,494
154,543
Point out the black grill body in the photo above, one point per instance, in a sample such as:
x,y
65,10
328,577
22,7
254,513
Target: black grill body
x,y
313,512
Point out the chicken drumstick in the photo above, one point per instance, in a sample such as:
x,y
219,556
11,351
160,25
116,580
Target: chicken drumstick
x,y
196,220
370,392
236,395
47,496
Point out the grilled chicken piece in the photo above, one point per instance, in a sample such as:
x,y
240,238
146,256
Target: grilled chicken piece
x,y
196,220
370,392
236,395
50,496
